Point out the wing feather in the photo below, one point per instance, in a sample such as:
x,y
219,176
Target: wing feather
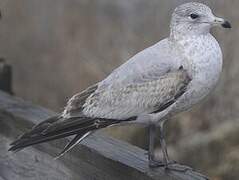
x,y
144,84
125,101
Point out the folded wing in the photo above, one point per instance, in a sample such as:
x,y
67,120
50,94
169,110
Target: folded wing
x,y
126,101
97,108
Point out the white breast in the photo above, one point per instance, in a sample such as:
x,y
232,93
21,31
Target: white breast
x,y
203,60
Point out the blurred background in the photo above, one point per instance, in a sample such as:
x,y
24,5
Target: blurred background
x,y
58,48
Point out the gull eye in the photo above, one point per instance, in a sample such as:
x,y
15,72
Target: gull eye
x,y
194,16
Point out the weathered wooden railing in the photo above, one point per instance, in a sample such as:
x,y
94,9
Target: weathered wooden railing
x,y
98,157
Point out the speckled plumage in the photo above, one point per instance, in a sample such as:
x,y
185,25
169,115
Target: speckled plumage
x,y
158,82
133,99
189,45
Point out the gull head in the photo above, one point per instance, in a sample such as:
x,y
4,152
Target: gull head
x,y
194,19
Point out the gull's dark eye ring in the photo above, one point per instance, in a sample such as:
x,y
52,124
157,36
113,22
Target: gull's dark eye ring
x,y
194,16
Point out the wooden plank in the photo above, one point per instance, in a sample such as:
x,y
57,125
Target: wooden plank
x,y
98,157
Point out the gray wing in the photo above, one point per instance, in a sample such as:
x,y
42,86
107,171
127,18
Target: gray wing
x,y
148,64
146,83
97,108
141,85
127,101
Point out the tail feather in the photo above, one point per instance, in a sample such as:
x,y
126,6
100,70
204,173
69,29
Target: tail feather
x,y
57,127
70,123
37,129
77,139
22,143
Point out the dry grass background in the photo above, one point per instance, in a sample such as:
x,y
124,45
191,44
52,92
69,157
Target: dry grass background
x,y
58,48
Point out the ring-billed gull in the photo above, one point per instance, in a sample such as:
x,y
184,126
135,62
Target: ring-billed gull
x,y
158,82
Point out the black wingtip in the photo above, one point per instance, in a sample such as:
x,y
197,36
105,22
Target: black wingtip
x,y
16,146
14,149
13,146
11,149
14,142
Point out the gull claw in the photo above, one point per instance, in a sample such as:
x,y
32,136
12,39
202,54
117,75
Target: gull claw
x,y
172,165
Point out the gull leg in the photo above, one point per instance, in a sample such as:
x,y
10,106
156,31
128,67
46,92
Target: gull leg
x,y
163,145
169,165
153,162
152,135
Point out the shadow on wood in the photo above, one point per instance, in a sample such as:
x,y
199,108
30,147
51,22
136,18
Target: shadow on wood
x,y
98,157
